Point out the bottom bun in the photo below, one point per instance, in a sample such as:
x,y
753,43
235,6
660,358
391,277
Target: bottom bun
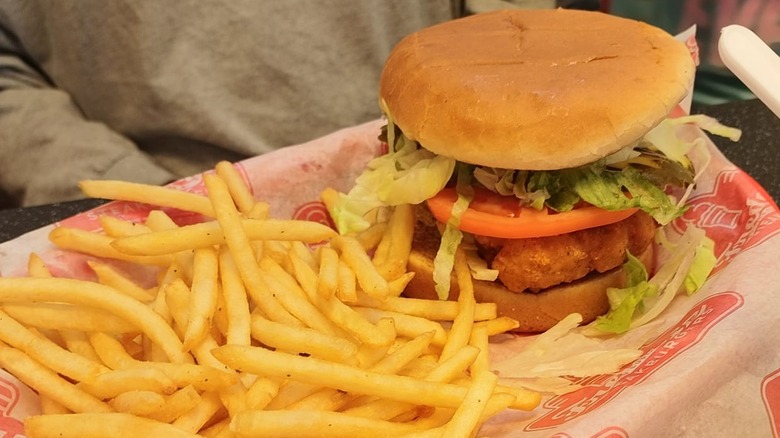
x,y
535,312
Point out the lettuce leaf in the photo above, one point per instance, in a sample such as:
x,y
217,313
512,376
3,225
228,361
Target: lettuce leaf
x,y
408,174
624,302
690,261
703,263
709,124
451,237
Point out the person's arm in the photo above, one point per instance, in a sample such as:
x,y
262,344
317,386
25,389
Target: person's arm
x,y
46,144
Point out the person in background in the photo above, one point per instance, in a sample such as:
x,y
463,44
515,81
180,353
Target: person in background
x,y
714,83
150,91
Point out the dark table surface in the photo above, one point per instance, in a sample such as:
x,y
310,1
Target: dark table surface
x,y
757,152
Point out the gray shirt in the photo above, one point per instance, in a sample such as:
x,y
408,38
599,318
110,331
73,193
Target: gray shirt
x,y
150,91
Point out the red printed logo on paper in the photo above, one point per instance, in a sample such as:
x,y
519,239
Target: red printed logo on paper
x,y
612,432
597,391
9,397
738,215
314,211
770,392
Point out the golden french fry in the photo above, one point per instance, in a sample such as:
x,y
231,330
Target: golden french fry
x,y
469,413
318,425
194,419
203,297
328,279
313,371
138,402
59,316
177,298
394,249
51,407
371,236
303,340
329,197
99,245
382,250
116,425
147,194
116,227
111,277
97,296
461,327
242,253
261,392
303,252
112,383
177,404
238,188
47,352
220,429
341,314
201,377
346,290
236,301
479,339
331,399
522,398
294,299
204,234
36,267
406,325
499,325
444,372
393,362
260,210
398,284
219,326
367,276
233,398
158,220
110,351
291,392
435,310
48,383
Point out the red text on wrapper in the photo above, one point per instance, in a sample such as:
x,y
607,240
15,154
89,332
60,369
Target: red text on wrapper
x,y
770,392
737,214
609,432
599,390
9,396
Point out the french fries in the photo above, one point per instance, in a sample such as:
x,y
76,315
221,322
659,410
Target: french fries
x,y
255,327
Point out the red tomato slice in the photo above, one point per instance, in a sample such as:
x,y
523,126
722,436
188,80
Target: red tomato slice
x,y
494,215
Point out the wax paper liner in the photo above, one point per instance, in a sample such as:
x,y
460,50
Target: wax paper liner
x,y
714,371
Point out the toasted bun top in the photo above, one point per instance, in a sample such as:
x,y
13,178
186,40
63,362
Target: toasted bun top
x,y
534,89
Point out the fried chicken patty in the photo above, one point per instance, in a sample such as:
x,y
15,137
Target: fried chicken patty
x,y
537,263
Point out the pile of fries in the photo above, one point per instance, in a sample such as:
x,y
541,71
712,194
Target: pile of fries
x,y
255,327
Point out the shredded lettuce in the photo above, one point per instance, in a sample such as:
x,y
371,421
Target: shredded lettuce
x,y
562,351
704,262
625,301
408,174
451,237
690,262
709,124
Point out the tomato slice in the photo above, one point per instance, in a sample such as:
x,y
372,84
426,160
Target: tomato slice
x,y
494,215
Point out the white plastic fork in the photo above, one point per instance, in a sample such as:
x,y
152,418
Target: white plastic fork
x,y
753,62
